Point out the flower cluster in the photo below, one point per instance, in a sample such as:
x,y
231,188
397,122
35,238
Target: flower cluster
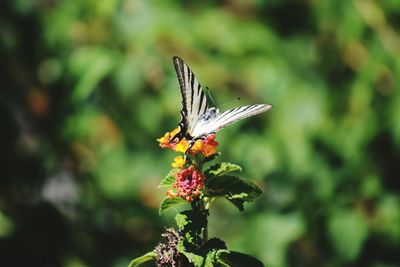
x,y
188,183
207,146
189,179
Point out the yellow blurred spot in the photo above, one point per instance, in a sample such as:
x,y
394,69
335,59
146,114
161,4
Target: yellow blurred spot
x,y
355,55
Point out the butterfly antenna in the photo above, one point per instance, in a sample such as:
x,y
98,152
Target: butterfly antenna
x,y
227,103
209,96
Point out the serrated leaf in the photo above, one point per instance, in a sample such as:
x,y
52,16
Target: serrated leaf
x,y
221,169
212,259
168,180
181,220
236,190
150,256
169,203
233,258
193,258
192,223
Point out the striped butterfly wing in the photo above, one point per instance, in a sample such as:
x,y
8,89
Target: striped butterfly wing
x,y
228,117
194,101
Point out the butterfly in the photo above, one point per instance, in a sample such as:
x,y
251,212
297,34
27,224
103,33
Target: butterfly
x,y
198,120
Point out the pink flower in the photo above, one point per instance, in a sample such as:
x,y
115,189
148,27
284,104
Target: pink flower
x,y
189,183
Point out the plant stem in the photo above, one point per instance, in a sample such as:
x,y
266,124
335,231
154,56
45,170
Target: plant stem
x,y
203,203
205,231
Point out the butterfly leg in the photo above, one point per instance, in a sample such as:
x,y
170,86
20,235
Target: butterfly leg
x,y
191,143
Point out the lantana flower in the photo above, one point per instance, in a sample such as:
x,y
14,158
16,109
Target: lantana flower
x,y
179,162
165,141
189,183
207,146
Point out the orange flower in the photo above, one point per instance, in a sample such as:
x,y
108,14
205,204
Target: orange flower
x,y
165,141
209,150
209,146
197,147
179,162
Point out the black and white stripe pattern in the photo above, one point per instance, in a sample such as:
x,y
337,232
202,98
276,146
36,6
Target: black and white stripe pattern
x,y
228,117
194,101
197,119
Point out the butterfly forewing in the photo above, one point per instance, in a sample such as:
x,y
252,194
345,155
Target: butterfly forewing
x,y
197,119
194,101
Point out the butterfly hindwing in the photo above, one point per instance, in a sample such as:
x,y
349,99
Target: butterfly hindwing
x,y
198,120
228,117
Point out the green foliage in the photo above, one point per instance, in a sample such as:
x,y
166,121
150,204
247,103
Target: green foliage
x,y
232,258
348,232
144,260
87,87
221,169
234,189
213,252
168,180
168,203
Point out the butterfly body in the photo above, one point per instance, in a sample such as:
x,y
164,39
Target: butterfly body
x,y
198,120
200,128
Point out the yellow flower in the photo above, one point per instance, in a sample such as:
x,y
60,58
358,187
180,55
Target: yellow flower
x,y
182,146
175,131
197,147
179,161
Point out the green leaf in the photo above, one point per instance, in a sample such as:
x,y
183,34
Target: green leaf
x,y
212,157
191,218
146,258
181,220
193,258
213,259
169,203
237,259
221,169
211,249
214,244
169,180
192,223
236,190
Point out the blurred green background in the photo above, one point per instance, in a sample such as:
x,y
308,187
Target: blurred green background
x,y
88,86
